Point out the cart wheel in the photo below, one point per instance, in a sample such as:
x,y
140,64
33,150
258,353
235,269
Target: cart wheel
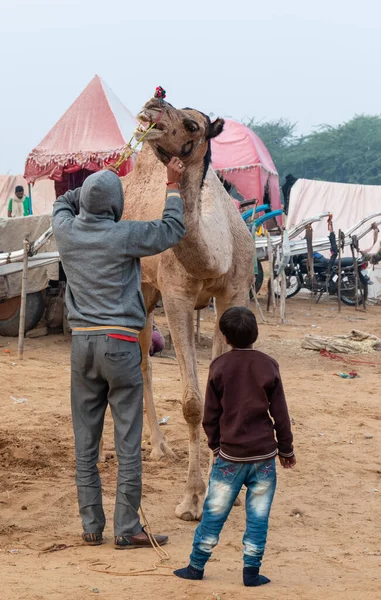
x,y
10,313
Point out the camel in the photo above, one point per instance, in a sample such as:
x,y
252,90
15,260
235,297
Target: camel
x,y
215,259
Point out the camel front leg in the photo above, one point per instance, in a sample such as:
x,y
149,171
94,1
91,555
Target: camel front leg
x,y
159,447
225,300
219,343
179,311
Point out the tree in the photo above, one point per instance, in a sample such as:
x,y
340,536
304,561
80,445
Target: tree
x,y
348,153
277,135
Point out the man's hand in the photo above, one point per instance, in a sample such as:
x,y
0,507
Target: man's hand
x,y
112,169
175,171
287,463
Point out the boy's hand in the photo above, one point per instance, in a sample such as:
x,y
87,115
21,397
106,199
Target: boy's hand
x,y
287,463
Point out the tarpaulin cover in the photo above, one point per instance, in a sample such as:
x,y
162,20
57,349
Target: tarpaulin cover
x,y
241,157
349,203
12,233
91,134
43,194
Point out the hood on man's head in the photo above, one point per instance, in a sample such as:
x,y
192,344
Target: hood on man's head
x,y
102,196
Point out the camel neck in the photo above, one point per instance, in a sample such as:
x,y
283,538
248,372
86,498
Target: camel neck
x,y
191,195
195,251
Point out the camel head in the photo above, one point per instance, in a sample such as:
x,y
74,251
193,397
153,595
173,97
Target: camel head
x,y
183,133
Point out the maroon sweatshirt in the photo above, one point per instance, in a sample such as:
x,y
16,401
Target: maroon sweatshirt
x,y
244,404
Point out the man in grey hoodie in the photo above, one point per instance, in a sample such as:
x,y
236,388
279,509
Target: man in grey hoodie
x,y
101,255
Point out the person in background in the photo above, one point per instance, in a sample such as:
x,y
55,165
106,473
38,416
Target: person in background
x,y
19,206
157,341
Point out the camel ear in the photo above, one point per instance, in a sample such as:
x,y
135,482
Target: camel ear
x,y
215,128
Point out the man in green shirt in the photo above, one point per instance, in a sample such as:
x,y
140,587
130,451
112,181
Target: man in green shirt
x,y
19,206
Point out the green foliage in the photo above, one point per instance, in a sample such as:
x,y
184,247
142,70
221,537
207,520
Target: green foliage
x,y
348,153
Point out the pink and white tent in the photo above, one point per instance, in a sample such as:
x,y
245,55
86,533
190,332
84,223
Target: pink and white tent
x,y
91,134
241,157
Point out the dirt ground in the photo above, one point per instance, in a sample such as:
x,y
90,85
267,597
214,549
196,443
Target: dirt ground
x,y
324,539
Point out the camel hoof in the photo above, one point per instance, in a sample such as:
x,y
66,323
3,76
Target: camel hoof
x,y
190,509
161,451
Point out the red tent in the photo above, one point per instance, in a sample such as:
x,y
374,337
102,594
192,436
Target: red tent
x,y
241,157
91,134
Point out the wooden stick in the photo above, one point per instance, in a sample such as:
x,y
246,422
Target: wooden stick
x,y
282,302
356,274
23,299
198,326
253,287
271,262
339,274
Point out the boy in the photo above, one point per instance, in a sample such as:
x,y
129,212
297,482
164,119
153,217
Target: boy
x,y
244,393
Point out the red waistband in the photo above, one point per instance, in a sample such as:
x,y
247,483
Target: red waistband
x,y
126,338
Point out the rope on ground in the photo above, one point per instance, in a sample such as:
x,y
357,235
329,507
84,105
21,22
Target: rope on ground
x,y
357,361
162,554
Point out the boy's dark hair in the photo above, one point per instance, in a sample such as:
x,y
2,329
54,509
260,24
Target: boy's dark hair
x,y
239,326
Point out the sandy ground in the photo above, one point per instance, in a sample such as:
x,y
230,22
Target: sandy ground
x,y
324,539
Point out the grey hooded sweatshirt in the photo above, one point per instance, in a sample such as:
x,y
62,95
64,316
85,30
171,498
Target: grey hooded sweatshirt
x,y
101,254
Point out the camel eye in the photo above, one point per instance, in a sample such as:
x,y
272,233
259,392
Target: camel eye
x,y
191,126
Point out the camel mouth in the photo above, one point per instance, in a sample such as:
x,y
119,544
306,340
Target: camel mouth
x,y
145,122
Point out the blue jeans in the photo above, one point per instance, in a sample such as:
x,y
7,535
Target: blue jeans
x,y
226,481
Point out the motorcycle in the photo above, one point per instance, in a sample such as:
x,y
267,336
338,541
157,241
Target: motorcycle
x,y
325,278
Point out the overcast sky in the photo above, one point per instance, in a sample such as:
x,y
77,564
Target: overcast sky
x,y
312,61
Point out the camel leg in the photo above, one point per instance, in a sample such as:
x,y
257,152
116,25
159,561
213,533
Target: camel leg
x,y
102,455
179,311
159,447
224,301
219,344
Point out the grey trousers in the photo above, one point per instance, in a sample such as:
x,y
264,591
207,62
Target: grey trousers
x,y
106,370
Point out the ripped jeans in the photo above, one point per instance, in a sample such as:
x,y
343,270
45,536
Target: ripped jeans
x,y
226,481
